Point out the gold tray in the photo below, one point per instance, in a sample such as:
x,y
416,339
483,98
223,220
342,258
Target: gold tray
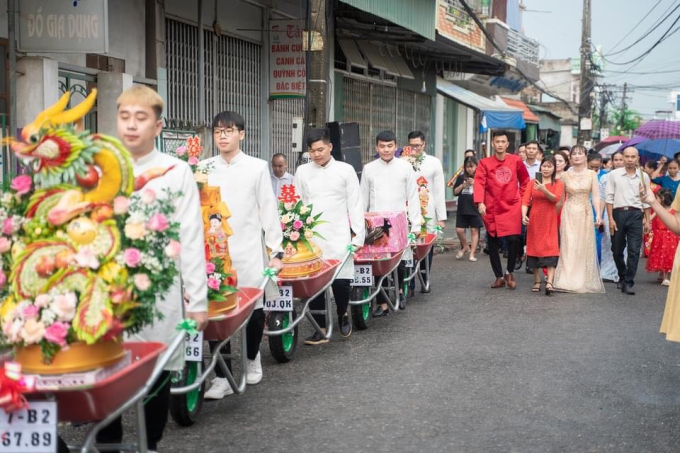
x,y
77,358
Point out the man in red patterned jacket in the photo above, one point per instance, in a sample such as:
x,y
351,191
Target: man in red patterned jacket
x,y
500,182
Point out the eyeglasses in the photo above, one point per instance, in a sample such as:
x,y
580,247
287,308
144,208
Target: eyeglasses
x,y
218,132
417,146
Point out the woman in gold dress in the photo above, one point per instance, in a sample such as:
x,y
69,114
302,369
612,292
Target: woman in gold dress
x,y
578,270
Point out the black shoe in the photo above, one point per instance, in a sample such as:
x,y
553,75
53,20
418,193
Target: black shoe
x,y
380,313
345,326
425,291
518,263
402,302
619,284
316,339
627,290
485,250
529,270
505,254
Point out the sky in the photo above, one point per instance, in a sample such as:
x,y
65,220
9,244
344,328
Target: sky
x,y
615,25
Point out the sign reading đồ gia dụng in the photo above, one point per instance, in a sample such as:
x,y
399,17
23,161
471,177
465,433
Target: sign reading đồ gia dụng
x,y
63,26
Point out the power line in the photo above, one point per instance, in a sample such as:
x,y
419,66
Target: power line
x,y
670,32
645,34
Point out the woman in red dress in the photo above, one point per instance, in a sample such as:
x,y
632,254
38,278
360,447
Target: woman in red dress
x,y
539,213
650,169
664,242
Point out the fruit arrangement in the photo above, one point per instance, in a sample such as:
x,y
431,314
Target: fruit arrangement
x,y
82,257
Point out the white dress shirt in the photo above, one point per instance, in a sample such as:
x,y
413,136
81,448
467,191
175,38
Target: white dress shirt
x,y
277,183
431,169
334,192
192,256
245,186
389,186
533,168
624,190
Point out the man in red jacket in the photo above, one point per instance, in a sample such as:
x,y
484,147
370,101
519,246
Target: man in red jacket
x,y
500,182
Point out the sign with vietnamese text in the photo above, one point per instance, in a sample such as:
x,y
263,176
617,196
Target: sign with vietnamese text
x,y
63,26
287,64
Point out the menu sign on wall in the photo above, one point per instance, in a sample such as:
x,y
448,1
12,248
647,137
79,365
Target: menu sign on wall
x,y
287,65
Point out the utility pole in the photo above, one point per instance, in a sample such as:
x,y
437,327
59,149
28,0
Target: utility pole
x,y
624,107
316,43
585,107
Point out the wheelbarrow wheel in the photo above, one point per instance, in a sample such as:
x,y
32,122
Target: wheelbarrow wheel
x,y
184,409
361,314
283,346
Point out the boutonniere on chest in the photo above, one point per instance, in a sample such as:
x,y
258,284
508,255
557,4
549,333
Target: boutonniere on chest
x,y
413,157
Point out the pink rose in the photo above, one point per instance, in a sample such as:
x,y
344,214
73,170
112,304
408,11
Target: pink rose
x,y
297,224
3,279
148,196
310,220
56,333
64,306
173,249
283,226
213,284
33,331
120,205
5,245
193,161
294,236
209,268
42,301
132,257
22,184
8,227
288,206
142,282
30,312
158,222
182,150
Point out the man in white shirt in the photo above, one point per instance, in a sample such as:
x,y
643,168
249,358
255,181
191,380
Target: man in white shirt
x,y
280,175
431,169
532,162
139,123
628,216
245,187
332,188
388,184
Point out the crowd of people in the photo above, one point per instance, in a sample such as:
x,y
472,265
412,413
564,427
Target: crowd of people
x,y
576,218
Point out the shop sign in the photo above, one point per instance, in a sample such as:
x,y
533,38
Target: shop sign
x,y
287,63
513,85
64,26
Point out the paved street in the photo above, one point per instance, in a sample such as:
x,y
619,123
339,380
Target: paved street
x,y
467,369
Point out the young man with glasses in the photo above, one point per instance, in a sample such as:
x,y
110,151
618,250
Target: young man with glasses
x,y
431,170
246,187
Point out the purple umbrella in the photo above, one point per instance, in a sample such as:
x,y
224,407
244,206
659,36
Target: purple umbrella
x,y
632,142
659,129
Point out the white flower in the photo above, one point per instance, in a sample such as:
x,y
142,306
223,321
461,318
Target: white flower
x,y
47,316
304,210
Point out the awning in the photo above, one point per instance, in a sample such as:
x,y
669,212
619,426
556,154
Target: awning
x,y
546,118
495,115
528,115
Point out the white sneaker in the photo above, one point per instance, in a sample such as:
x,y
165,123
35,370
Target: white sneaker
x,y
254,371
666,282
219,389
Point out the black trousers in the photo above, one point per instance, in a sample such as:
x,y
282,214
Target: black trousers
x,y
514,251
342,289
629,226
401,273
430,257
254,331
155,412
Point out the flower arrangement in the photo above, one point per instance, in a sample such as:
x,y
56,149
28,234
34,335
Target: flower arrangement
x,y
190,153
220,282
424,196
413,157
297,221
83,259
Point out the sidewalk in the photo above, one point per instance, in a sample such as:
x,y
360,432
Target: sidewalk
x,y
450,240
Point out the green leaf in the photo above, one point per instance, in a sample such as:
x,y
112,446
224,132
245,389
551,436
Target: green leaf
x,y
306,243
